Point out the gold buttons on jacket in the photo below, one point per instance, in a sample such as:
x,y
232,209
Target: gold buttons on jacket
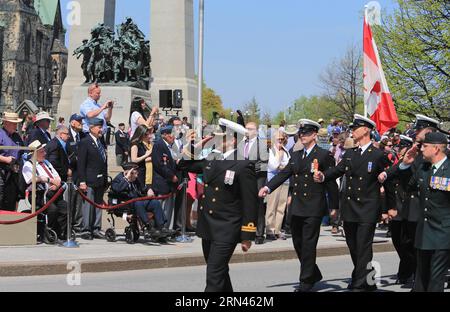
x,y
306,185
203,196
217,189
360,178
295,194
348,198
306,175
213,200
305,194
201,207
296,175
210,212
295,184
349,187
206,185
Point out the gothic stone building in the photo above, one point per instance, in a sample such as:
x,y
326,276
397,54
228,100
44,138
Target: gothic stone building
x,y
33,56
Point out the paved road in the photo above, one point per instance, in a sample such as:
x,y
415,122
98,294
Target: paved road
x,y
276,276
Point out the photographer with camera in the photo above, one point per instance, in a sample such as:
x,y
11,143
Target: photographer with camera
x,y
92,109
9,166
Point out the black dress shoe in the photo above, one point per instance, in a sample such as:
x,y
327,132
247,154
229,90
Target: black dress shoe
x,y
86,236
99,235
259,240
304,287
271,237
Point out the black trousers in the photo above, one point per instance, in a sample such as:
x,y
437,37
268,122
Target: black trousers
x,y
261,219
432,266
217,256
402,231
9,191
359,238
305,234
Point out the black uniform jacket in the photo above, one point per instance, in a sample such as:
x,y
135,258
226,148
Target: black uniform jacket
x,y
361,201
58,158
92,169
227,213
309,199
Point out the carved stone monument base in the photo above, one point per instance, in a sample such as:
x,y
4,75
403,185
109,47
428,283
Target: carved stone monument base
x,y
122,97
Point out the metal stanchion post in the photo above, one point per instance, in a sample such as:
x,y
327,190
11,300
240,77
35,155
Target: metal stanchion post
x,y
70,243
183,238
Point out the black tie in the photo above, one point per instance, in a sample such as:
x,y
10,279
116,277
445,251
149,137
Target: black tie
x,y
359,151
78,137
305,154
433,170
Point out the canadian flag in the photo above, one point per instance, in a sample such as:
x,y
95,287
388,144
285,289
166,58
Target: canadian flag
x,y
377,98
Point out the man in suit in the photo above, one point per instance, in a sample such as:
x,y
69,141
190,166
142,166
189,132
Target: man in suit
x,y
122,145
361,206
411,210
254,149
92,176
57,153
432,179
76,134
164,170
40,132
227,209
309,200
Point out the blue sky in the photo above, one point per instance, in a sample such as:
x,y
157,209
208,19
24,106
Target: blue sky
x,y
273,50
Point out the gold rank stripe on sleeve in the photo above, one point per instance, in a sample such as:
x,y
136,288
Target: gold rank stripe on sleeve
x,y
249,228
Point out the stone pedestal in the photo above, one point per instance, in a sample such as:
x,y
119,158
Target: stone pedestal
x,y
172,49
21,234
122,97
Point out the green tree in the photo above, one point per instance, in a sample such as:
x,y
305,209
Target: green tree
x,y
314,108
254,112
212,103
414,44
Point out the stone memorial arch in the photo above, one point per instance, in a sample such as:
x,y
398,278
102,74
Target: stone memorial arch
x,y
171,47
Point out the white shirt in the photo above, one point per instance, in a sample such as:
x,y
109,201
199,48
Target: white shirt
x,y
74,134
94,138
308,151
439,164
364,147
27,172
274,164
134,122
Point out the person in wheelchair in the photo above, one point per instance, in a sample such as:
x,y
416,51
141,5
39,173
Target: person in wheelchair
x,y
126,186
48,183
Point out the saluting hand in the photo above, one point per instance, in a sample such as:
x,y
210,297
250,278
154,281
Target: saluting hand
x,y
245,245
410,155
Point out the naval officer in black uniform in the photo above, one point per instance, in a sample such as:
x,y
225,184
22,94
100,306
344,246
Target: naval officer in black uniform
x,y
361,207
432,179
399,224
227,210
309,200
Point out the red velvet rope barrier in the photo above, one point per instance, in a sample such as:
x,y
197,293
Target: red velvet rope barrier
x,y
113,207
31,216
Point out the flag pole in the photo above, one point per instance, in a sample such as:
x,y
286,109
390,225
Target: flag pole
x,y
200,66
366,21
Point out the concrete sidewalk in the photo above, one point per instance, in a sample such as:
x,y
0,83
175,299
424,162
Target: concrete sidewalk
x,y
102,256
